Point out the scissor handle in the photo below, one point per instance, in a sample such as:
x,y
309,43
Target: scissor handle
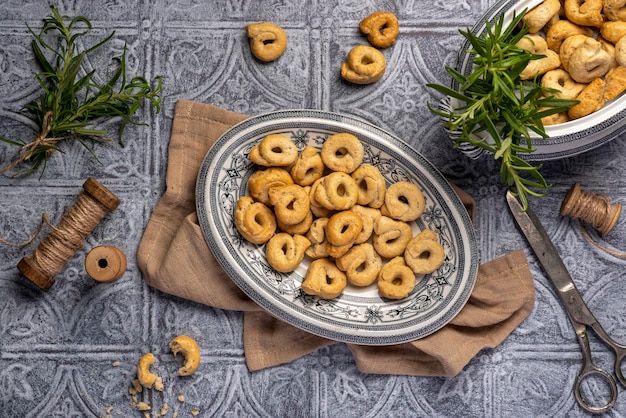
x,y
590,370
587,372
618,349
620,355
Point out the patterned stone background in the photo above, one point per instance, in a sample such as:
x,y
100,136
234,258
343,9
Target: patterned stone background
x,y
58,348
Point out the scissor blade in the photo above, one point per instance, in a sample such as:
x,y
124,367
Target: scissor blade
x,y
552,264
541,244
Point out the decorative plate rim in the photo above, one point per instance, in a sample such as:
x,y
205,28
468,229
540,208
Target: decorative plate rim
x,y
244,277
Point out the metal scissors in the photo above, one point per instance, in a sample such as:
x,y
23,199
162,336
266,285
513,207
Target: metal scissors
x,y
579,314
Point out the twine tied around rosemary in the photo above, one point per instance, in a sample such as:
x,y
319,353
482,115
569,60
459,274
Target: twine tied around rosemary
x,y
41,139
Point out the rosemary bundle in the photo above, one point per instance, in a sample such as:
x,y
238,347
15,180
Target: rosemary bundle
x,y
497,101
72,103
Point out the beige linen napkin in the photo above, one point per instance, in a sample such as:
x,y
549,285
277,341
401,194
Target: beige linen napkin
x,y
175,259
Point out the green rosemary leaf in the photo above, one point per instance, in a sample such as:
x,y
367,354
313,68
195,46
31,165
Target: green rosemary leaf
x,y
71,104
11,142
498,103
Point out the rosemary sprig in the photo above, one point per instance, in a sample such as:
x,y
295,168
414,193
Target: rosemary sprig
x,y
498,102
71,102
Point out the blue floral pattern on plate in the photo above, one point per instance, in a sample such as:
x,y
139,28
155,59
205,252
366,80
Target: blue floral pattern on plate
x,y
359,315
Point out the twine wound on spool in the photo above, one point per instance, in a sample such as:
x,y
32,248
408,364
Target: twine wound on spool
x,y
65,239
594,209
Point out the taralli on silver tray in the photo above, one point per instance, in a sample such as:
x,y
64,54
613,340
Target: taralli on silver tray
x,y
424,256
261,181
404,201
291,203
285,252
324,279
274,150
391,237
395,279
254,221
361,264
342,152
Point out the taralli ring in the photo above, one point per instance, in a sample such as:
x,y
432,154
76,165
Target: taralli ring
x,y
615,10
381,29
254,221
274,151
343,228
285,252
369,216
336,191
371,186
364,65
584,12
105,264
342,152
291,203
391,237
361,264
262,181
308,167
324,279
395,279
537,18
404,201
424,256
317,237
268,41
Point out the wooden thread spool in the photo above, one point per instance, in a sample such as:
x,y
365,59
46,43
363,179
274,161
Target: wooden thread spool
x,y
105,264
594,209
53,252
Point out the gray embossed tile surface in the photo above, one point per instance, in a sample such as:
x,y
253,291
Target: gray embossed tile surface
x,y
72,351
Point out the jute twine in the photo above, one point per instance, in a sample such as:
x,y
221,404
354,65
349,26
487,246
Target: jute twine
x,y
594,209
64,240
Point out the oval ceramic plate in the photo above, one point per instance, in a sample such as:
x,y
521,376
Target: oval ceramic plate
x,y
359,315
566,139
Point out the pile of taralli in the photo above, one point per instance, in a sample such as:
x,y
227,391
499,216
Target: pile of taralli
x,y
331,207
584,48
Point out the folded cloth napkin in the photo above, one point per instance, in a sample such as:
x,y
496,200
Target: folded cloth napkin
x,y
174,258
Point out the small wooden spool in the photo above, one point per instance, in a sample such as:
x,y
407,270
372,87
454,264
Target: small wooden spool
x,y
575,195
94,194
105,264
